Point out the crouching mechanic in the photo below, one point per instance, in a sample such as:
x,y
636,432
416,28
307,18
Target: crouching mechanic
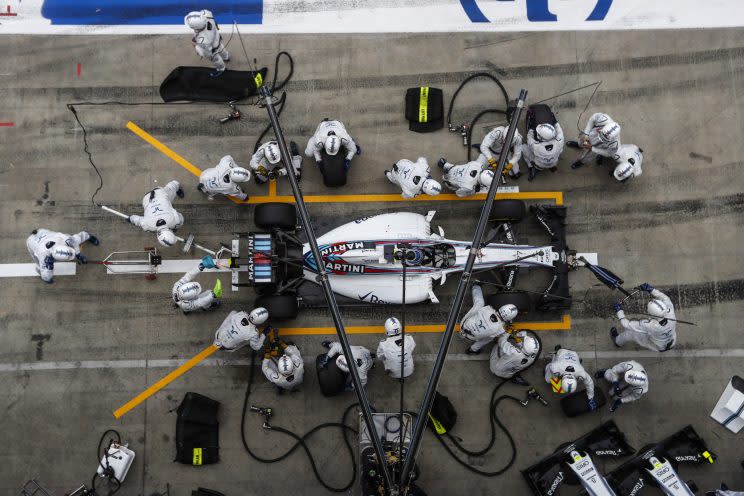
x,y
207,40
362,356
565,372
628,160
509,359
413,178
492,145
658,333
389,350
160,216
601,136
285,372
482,324
187,293
224,179
239,329
267,159
725,491
543,148
47,247
629,382
466,179
331,136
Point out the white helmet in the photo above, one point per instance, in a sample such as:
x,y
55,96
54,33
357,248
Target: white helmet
x,y
239,175
392,327
508,312
545,132
189,291
285,365
341,362
530,346
623,171
431,187
272,154
636,378
332,144
486,178
63,253
196,20
258,316
166,237
569,383
609,132
657,308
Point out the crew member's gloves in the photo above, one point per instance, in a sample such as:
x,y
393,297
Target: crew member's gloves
x,y
129,219
347,164
180,193
492,161
49,262
615,405
592,405
207,262
319,163
617,307
646,287
267,330
616,387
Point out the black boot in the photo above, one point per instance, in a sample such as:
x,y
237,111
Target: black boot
x,y
93,240
572,144
531,174
614,334
599,160
599,374
471,351
441,162
519,380
577,164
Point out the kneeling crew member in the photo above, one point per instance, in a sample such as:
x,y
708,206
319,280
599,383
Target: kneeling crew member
x,y
466,179
362,356
659,333
331,136
207,40
566,366
187,293
224,179
267,159
160,216
287,371
629,382
389,350
482,324
629,159
511,356
601,136
492,145
47,247
239,329
413,178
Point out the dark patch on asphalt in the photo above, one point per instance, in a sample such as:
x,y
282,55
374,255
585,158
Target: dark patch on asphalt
x,y
706,158
636,215
44,200
598,303
40,339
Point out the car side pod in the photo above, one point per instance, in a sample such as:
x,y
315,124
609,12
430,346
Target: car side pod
x,y
666,478
590,478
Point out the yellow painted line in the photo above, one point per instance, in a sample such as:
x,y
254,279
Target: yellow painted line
x,y
562,325
175,374
556,196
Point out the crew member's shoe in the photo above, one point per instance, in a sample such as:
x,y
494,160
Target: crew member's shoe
x,y
471,351
531,174
599,159
572,144
578,164
93,240
441,162
326,344
614,334
519,380
180,193
599,374
82,258
216,73
516,176
553,169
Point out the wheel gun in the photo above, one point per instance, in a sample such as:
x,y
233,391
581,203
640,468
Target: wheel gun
x,y
266,413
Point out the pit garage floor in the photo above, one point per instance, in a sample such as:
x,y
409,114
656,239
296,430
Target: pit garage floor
x,y
74,351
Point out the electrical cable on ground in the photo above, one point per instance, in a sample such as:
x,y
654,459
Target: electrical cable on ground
x,y
300,441
86,149
101,458
275,87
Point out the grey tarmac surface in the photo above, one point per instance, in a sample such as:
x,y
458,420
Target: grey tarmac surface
x,y
678,95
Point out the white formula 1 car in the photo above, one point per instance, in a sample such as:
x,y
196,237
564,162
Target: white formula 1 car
x,y
365,258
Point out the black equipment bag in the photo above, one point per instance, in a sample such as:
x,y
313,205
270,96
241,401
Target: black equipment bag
x,y
206,492
197,430
442,416
424,109
195,84
332,168
332,380
578,403
540,114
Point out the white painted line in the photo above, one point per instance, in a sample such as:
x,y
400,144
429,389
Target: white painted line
x,y
166,267
423,357
29,269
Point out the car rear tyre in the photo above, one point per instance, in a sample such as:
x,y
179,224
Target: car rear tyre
x,y
276,215
280,307
521,300
508,211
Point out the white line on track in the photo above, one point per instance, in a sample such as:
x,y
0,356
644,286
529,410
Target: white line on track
x,y
218,362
